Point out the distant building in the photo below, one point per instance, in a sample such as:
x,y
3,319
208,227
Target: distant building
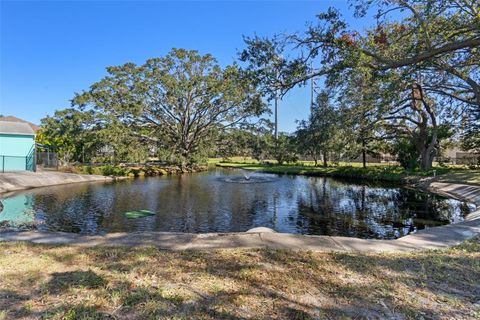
x,y
457,156
17,146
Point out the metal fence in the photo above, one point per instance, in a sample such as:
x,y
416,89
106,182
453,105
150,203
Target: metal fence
x,y
30,162
471,159
47,160
17,163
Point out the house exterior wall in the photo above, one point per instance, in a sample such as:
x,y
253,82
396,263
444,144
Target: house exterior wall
x,y
14,150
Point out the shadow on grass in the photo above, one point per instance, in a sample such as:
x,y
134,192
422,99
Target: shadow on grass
x,y
12,300
147,283
76,311
426,281
62,281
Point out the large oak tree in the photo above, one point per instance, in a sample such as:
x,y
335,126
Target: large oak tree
x,y
177,102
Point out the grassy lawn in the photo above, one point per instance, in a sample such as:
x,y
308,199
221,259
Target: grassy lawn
x,y
466,176
381,172
62,282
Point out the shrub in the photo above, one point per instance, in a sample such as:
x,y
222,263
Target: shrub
x,y
407,154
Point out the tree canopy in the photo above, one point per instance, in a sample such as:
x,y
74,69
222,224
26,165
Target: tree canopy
x,y
404,86
421,58
177,102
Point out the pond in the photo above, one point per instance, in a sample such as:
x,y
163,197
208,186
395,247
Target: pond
x,y
225,200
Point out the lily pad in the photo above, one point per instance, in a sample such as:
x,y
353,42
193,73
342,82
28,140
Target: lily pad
x,y
138,214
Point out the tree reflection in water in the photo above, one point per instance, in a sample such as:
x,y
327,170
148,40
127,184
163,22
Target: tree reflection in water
x,y
383,212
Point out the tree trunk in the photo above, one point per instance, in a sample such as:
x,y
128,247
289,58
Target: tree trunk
x,y
185,158
427,148
364,154
325,164
426,161
429,151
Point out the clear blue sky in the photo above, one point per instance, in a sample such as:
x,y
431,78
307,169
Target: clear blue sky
x,y
50,50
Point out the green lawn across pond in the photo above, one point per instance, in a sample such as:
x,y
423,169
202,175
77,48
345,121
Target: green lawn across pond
x,y
373,172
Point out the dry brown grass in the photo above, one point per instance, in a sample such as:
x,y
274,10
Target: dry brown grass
x,y
63,282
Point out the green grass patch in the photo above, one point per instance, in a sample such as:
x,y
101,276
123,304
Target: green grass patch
x,y
379,172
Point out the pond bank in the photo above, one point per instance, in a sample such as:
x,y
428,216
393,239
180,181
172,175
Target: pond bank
x,y
433,238
371,173
141,170
14,181
22,180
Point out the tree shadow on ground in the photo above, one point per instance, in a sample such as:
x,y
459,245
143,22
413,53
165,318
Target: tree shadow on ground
x,y
265,282
147,283
62,281
12,300
444,276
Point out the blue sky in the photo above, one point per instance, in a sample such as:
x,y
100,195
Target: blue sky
x,y
50,50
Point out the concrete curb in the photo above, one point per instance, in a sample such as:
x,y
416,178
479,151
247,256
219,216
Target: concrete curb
x,y
15,181
433,238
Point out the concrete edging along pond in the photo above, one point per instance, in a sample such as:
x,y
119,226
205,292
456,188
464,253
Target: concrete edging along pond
x,y
22,180
433,238
15,181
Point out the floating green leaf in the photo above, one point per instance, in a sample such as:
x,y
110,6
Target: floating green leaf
x,y
138,214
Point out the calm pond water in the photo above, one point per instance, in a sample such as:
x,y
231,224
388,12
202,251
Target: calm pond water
x,y
224,201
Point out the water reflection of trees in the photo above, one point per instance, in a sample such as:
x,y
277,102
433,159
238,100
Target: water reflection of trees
x,y
332,208
186,203
81,211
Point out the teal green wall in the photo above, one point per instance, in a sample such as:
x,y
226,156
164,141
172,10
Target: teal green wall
x,y
15,148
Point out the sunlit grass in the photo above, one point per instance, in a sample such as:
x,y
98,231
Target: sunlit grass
x,y
374,171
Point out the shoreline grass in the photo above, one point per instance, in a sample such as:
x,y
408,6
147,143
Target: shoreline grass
x,y
373,172
65,282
